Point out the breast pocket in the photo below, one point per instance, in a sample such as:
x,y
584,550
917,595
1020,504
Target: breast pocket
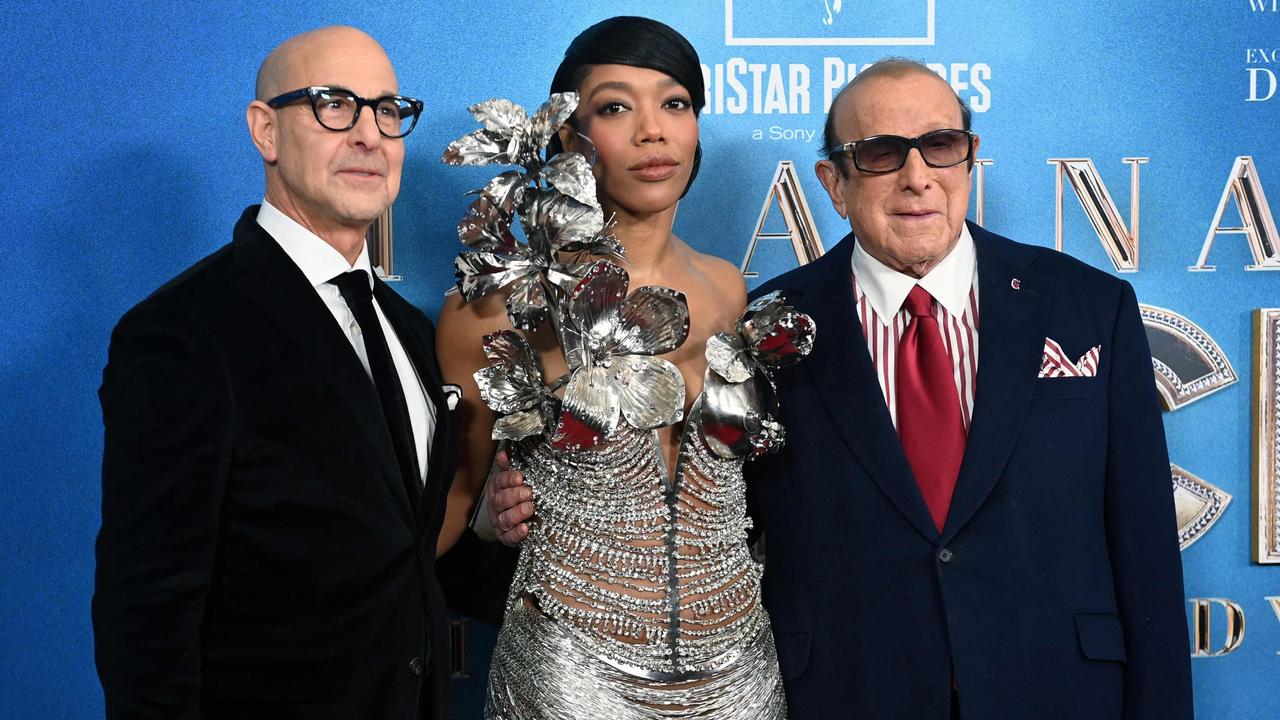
x,y
1070,388
452,396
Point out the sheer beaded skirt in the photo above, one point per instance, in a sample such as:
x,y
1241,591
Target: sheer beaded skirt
x,y
635,594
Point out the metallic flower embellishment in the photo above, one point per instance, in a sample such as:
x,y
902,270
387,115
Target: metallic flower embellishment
x,y
740,404
512,387
556,202
609,339
511,137
560,231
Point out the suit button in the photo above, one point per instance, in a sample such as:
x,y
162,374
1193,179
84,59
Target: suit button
x,y
945,555
416,666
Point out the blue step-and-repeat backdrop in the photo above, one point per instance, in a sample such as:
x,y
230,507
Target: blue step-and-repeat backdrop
x,y
1135,136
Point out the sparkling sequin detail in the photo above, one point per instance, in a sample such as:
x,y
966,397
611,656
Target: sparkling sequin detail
x,y
636,577
545,670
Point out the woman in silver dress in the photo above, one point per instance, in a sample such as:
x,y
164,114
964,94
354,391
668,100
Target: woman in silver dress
x,y
635,595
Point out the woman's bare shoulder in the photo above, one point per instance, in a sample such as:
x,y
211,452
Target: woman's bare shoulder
x,y
462,326
489,311
724,278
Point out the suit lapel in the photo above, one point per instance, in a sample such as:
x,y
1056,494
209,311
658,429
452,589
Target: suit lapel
x,y
281,291
423,357
1012,319
840,361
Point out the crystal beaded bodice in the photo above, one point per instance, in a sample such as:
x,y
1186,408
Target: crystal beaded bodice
x,y
656,571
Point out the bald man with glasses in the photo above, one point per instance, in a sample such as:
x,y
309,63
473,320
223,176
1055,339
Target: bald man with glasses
x,y
278,442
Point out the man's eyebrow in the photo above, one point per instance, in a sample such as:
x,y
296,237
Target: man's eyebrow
x,y
344,88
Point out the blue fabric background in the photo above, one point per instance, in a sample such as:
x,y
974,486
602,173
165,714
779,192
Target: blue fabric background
x,y
128,160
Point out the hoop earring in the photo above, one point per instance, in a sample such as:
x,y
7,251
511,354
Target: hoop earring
x,y
584,136
693,174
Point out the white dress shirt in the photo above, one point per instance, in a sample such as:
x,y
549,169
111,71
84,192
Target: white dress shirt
x,y
320,263
879,292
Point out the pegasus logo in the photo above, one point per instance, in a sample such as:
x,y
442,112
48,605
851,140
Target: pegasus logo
x,y
833,8
870,22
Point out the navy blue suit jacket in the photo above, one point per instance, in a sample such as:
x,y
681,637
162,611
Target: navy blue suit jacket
x,y
1054,589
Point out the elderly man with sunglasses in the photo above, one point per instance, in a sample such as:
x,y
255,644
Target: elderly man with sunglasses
x,y
972,515
277,448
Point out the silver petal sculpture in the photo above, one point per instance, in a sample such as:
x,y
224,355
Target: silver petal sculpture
x,y
589,411
652,321
510,136
506,190
499,115
556,202
571,174
593,312
775,334
481,147
650,391
558,219
740,405
480,273
519,425
550,116
569,225
608,337
527,305
506,127
727,357
739,419
512,387
486,226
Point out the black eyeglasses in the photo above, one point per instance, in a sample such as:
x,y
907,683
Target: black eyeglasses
x,y
338,109
886,153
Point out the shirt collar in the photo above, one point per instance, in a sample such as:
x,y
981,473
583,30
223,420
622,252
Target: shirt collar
x,y
317,259
949,282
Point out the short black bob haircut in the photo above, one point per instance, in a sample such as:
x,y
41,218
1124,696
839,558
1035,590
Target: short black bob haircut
x,y
638,42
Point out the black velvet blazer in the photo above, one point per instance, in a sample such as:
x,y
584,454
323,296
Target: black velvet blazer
x,y
259,555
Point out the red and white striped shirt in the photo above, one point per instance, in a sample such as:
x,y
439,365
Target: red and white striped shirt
x,y
880,291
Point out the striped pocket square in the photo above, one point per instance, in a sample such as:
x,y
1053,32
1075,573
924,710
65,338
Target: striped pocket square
x,y
1055,362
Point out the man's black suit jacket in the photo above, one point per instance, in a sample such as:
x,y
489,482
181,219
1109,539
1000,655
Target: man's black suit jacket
x,y
259,554
1054,590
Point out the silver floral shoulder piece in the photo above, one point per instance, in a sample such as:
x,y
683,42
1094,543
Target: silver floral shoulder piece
x,y
608,337
739,415
555,200
512,387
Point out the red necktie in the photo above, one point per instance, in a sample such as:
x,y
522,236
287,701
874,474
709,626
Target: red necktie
x,y
929,422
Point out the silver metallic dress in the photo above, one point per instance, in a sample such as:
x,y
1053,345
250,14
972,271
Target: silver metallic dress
x,y
635,595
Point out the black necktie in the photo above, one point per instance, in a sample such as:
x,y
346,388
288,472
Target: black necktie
x,y
355,289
